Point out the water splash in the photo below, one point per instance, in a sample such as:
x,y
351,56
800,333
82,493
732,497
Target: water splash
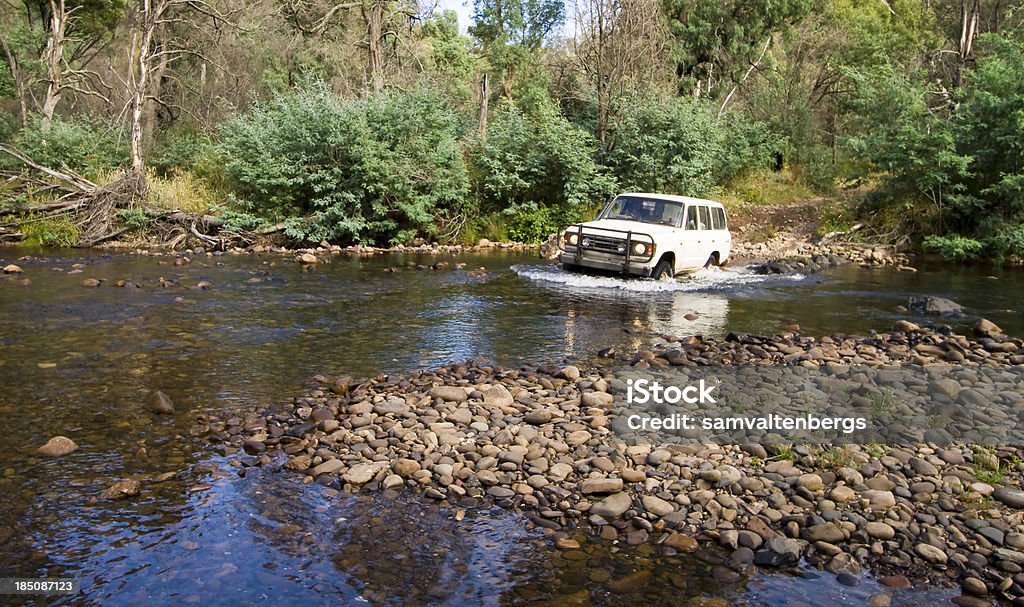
x,y
709,279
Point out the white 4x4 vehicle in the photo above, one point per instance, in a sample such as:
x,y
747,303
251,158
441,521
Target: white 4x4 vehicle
x,y
653,235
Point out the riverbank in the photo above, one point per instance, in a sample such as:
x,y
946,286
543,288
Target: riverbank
x,y
542,442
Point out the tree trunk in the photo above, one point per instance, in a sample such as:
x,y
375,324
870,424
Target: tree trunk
x,y
374,16
53,57
138,80
485,94
19,81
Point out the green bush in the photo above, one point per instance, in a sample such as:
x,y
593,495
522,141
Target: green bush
x,y
88,147
679,146
375,170
188,151
537,163
955,248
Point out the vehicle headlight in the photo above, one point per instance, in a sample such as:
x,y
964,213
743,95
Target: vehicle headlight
x,y
573,238
640,248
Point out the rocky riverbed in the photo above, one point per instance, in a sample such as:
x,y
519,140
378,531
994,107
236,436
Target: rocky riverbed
x,y
540,441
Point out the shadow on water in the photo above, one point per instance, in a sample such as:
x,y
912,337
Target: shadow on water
x,y
79,362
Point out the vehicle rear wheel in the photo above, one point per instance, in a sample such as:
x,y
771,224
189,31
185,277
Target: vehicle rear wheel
x,y
712,261
663,271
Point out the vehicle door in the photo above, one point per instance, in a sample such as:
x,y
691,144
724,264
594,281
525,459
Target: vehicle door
x,y
690,241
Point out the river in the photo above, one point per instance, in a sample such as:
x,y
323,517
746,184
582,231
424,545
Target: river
x,y
80,361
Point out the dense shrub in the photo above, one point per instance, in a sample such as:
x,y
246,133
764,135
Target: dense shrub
x,y
90,148
680,146
375,170
538,169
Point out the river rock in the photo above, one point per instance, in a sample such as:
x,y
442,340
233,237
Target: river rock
x,y
1013,498
597,399
842,493
879,500
613,506
824,532
90,283
681,542
307,258
57,446
931,554
601,485
923,467
570,373
121,490
811,482
934,306
986,328
657,506
879,531
329,467
498,396
538,417
159,403
779,552
12,269
973,585
360,474
449,394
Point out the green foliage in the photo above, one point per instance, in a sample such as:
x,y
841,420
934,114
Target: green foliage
x,y
679,146
510,34
716,40
136,220
88,147
955,247
451,55
989,121
186,150
912,143
536,224
532,162
58,231
374,170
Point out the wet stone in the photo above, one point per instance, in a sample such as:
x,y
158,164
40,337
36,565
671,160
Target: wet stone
x,y
57,447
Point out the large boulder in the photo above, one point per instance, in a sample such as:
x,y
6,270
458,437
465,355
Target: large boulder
x,y
930,305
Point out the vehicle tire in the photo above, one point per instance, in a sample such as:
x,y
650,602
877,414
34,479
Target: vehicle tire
x,y
712,261
571,268
663,271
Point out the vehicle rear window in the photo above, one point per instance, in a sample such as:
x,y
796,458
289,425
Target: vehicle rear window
x,y
717,218
704,223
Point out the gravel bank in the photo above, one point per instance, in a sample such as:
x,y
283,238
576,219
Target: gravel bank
x,y
540,441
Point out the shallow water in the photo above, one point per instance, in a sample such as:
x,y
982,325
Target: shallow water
x,y
79,362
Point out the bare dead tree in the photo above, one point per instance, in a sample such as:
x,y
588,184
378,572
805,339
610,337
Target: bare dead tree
x,y
617,43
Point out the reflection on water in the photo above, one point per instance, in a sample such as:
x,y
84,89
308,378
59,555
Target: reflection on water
x,y
79,362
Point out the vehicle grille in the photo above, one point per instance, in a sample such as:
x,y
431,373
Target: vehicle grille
x,y
605,244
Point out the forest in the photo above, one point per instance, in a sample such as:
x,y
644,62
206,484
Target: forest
x,y
380,122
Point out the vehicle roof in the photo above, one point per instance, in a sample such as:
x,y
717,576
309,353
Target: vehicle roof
x,y
674,198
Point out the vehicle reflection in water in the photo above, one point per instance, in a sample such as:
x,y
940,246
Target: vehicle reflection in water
x,y
689,306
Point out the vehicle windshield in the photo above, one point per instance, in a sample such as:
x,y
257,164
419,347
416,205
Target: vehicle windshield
x,y
645,210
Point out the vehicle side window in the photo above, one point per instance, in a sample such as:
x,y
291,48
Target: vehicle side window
x,y
704,221
691,218
717,218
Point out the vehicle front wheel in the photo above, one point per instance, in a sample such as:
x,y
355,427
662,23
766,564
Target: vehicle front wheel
x,y
663,271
